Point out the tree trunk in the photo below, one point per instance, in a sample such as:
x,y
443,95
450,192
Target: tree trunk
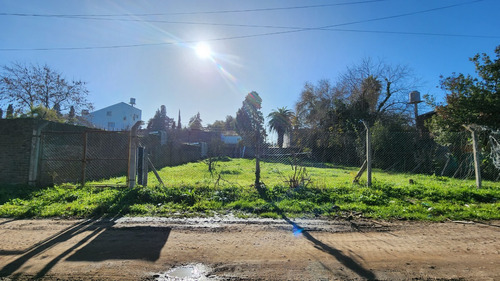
x,y
257,161
280,140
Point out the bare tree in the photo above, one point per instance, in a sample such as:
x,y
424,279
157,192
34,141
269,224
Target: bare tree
x,y
31,86
396,81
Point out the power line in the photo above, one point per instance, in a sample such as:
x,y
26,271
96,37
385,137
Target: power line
x,y
194,13
291,30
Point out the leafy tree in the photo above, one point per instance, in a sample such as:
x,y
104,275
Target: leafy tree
x,y
223,125
471,100
230,123
195,122
281,122
160,121
329,117
250,126
314,103
217,126
27,87
41,112
250,121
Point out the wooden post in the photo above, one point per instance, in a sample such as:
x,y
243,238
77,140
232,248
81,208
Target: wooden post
x,y
477,156
368,155
132,155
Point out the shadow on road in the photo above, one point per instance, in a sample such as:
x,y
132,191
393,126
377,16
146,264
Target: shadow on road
x,y
129,243
102,241
347,261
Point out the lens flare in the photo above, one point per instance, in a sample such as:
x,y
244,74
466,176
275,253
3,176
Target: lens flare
x,y
203,50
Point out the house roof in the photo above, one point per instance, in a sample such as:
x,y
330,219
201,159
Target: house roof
x,y
121,104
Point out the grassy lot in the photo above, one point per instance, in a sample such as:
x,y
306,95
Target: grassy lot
x,y
326,191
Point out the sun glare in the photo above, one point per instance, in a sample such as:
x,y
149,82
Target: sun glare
x,y
203,50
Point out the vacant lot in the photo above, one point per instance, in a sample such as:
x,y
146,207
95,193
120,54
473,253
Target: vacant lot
x,y
252,249
325,191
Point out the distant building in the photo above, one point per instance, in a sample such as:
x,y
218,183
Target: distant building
x,y
230,138
117,117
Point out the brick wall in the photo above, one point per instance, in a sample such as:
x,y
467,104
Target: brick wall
x,y
16,146
15,150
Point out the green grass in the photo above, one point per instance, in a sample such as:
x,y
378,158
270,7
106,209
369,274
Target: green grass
x,y
329,192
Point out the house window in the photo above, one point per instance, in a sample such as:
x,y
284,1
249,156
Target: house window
x,y
108,113
111,126
125,118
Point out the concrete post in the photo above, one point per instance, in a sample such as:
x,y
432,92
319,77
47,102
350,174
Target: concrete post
x,y
33,179
477,156
132,155
368,154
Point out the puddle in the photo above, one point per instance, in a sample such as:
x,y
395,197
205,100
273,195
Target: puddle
x,y
188,272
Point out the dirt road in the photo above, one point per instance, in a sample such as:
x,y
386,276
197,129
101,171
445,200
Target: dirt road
x,y
234,249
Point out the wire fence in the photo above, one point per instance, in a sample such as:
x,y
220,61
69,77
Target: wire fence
x,y
320,158
82,156
403,152
96,155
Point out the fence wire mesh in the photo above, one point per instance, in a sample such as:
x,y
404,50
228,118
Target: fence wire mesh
x,y
80,157
319,158
307,158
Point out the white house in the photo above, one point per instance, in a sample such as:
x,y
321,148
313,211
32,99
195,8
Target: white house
x,y
117,117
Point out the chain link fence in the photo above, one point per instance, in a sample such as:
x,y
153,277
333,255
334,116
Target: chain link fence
x,y
329,153
96,155
80,157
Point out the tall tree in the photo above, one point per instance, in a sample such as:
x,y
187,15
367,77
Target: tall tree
x,y
160,121
195,122
280,121
250,126
250,121
27,87
385,86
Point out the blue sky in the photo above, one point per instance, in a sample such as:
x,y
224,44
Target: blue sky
x,y
124,51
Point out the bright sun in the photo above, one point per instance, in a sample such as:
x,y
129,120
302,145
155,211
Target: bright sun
x,y
203,50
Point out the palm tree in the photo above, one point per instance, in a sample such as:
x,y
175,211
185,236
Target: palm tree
x,y
281,122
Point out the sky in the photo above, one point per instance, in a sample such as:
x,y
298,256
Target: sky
x,y
147,49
